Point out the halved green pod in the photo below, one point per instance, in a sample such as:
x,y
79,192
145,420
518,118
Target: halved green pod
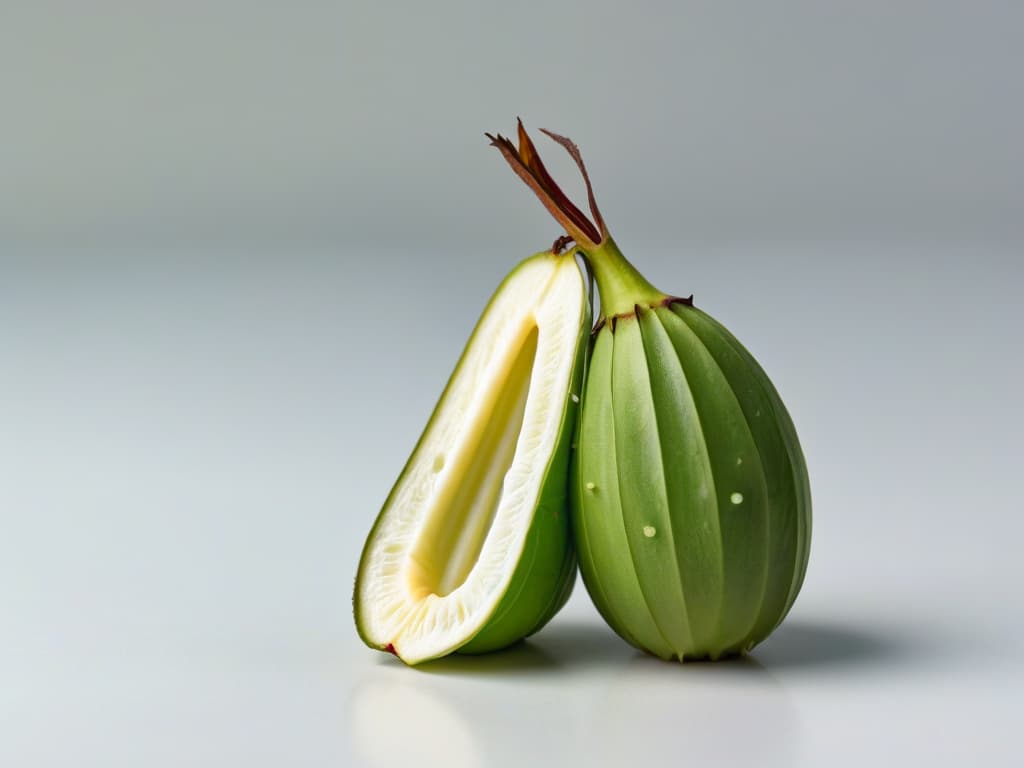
x,y
691,503
472,550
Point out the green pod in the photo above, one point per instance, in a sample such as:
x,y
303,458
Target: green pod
x,y
472,550
691,504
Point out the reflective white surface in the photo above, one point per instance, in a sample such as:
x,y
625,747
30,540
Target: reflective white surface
x,y
194,446
823,690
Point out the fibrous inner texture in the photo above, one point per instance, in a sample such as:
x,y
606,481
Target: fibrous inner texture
x,y
466,502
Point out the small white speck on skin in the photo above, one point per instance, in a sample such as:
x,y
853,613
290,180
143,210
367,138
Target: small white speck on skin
x,y
739,460
649,531
736,498
575,397
590,487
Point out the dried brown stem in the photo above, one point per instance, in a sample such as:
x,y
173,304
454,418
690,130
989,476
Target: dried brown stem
x,y
526,162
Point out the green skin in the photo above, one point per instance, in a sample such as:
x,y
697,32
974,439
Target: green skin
x,y
544,577
690,499
690,502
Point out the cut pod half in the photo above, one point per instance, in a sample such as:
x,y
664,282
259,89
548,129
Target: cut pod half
x,y
472,550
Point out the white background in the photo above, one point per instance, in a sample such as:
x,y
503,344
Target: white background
x,y
241,249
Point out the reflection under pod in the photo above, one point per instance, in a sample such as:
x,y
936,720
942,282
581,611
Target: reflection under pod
x,y
395,724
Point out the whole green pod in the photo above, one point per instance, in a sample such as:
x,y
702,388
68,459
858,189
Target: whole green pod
x,y
691,504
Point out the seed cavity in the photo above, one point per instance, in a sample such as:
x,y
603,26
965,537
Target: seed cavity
x,y
736,498
649,531
438,464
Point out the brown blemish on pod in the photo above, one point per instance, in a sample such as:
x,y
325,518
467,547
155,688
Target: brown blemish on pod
x,y
559,245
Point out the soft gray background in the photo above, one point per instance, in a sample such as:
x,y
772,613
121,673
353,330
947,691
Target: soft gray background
x,y
241,246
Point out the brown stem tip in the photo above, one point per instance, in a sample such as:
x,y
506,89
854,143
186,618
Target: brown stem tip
x,y
561,244
526,162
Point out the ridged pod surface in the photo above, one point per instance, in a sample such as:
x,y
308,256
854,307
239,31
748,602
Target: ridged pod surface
x,y
691,505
